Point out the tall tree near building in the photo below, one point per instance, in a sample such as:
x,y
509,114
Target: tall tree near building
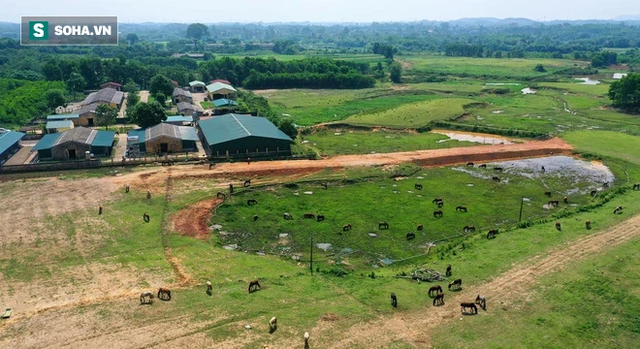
x,y
148,114
106,115
197,31
55,98
395,72
625,93
161,84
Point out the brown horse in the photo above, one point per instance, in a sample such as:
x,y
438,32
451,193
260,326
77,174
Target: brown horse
x,y
434,290
617,210
470,164
495,179
461,208
287,216
383,225
492,233
230,188
483,166
456,284
636,186
594,193
420,227
558,226
439,299
468,305
437,200
411,236
394,300
497,169
320,217
246,183
254,285
252,202
309,215
346,227
480,300
438,213
448,272
565,199
323,185
547,193
587,224
469,229
418,186
221,195
146,217
554,203
164,294
255,217
209,287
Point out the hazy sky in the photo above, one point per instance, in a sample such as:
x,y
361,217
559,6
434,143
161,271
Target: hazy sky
x,y
209,11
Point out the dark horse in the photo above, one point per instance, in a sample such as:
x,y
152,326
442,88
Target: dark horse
x,y
252,202
255,217
164,293
230,188
498,169
587,224
438,213
394,300
448,272
617,210
346,227
320,217
461,208
254,285
483,166
558,226
480,300
470,164
437,200
470,306
309,215
496,179
221,195
383,225
492,233
323,185
456,284
418,186
287,216
434,290
547,193
439,300
636,186
411,236
469,229
420,227
247,183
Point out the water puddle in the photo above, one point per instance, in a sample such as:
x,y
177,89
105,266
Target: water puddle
x,y
473,137
308,192
387,261
587,81
324,246
230,247
502,84
528,91
373,235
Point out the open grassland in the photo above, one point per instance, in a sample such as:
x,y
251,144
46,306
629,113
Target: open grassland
x,y
415,114
589,304
338,141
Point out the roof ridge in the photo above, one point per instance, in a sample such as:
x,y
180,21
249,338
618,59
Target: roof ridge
x,y
241,125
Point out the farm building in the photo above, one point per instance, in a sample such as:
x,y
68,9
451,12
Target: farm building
x,y
73,144
179,120
180,95
86,115
107,95
189,109
55,126
220,80
197,86
74,118
618,76
9,144
220,90
224,103
235,134
163,138
111,84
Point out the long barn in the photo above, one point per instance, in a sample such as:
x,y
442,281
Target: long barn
x,y
236,135
73,144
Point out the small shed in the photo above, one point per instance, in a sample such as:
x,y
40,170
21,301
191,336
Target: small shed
x,y
107,95
188,109
179,120
74,143
74,118
10,143
224,103
219,90
163,138
197,86
55,126
181,95
111,84
618,76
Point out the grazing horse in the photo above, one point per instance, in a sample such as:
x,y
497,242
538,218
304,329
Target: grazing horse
x,y
470,164
480,300
127,188
255,217
605,185
495,179
594,193
492,233
411,236
394,300
483,166
252,202
439,300
306,340
554,203
209,287
587,224
438,213
273,324
146,217
221,195
469,229
636,186
547,193
565,199
498,169
434,290
468,305
461,208
148,194
418,186
309,215
617,210
164,293
246,183
543,170
99,210
448,272
437,200
420,227
440,204
383,225
254,285
558,226
323,185
230,188
457,284
320,217
287,216
346,227
144,296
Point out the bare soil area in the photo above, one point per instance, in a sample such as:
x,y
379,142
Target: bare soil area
x,y
194,220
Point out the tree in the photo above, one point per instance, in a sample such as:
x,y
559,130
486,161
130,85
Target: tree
x,y
539,68
55,98
76,83
197,31
395,72
625,93
161,98
130,86
106,115
132,38
145,114
161,84
132,100
289,128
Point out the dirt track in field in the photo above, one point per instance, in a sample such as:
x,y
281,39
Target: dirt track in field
x,y
193,220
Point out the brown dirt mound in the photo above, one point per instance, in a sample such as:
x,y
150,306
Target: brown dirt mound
x,y
193,220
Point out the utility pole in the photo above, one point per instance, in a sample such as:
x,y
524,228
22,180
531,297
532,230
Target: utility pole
x,y
311,259
521,204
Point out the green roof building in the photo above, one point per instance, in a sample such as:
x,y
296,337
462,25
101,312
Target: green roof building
x,y
9,144
242,135
74,144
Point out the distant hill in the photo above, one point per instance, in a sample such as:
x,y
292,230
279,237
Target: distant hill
x,y
627,18
493,22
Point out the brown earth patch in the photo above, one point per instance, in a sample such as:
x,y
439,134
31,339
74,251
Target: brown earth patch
x,y
193,221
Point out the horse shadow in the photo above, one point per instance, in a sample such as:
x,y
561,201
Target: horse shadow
x,y
469,313
457,289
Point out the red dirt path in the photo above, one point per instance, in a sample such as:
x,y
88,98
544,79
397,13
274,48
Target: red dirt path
x,y
192,221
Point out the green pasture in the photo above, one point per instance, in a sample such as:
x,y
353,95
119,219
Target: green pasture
x,y
415,114
606,143
590,304
353,141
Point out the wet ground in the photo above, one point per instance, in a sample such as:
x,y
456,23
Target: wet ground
x,y
473,137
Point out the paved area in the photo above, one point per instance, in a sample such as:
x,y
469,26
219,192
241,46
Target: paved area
x,y
20,157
